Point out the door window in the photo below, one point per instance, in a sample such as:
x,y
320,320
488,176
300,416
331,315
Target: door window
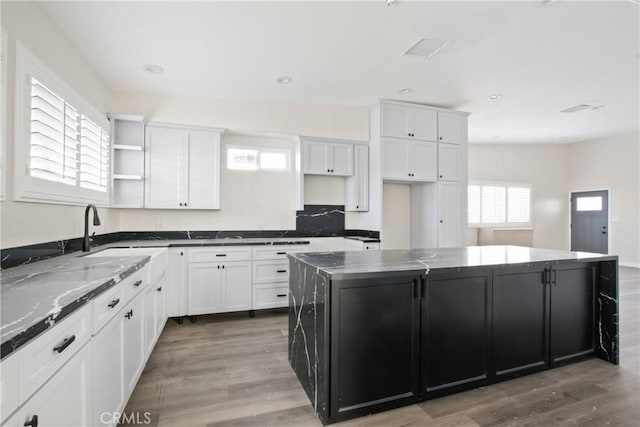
x,y
589,204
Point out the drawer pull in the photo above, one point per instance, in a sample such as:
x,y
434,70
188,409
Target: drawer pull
x,y
159,289
281,271
114,303
281,295
33,422
66,343
221,254
281,253
137,283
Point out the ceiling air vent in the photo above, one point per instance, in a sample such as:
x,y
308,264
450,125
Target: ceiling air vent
x,y
427,48
581,107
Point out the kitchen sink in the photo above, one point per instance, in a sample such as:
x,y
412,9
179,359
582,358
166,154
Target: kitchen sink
x,y
119,252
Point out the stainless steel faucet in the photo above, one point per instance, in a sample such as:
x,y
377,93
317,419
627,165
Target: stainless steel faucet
x,y
86,243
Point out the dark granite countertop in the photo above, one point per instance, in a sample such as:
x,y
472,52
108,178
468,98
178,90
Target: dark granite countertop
x,y
363,239
34,297
338,264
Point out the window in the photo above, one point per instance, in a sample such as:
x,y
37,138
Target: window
x,y
62,144
267,159
499,205
589,204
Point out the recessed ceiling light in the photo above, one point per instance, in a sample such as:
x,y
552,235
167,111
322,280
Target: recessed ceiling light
x,y
284,80
392,2
581,107
494,97
549,2
405,91
153,69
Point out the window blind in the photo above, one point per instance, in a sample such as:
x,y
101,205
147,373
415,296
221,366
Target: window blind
x,y
66,146
498,205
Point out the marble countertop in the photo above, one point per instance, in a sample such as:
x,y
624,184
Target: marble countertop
x,y
36,296
339,264
169,243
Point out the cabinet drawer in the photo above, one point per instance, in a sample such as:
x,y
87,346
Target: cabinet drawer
x,y
277,252
40,359
9,381
108,305
270,271
228,253
270,296
134,284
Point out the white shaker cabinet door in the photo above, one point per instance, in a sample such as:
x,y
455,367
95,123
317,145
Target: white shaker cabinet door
x,y
133,339
341,159
109,389
316,158
395,121
150,331
204,288
176,287
236,286
65,400
164,179
395,160
449,215
424,161
448,162
161,304
204,171
357,186
450,128
423,124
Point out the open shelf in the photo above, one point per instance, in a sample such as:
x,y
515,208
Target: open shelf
x,y
127,170
127,147
129,177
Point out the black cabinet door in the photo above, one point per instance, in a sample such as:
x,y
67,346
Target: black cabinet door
x,y
520,320
456,331
572,312
375,338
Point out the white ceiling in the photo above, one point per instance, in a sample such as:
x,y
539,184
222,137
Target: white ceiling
x,y
541,59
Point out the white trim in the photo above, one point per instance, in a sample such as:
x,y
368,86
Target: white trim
x,y
27,188
3,119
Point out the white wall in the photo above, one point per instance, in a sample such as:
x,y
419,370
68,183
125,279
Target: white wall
x,y
323,190
542,166
396,216
27,223
612,164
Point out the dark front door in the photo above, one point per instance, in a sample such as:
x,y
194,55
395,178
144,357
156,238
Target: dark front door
x,y
589,221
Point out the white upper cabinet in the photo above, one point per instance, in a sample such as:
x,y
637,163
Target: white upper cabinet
x,y
409,160
409,122
182,167
357,186
449,160
327,158
451,128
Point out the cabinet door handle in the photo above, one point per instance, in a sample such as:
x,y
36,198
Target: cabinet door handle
x,y
159,289
281,295
221,254
554,273
223,266
440,176
180,203
441,221
66,343
33,422
181,253
185,203
440,138
331,170
281,271
114,303
281,253
328,170
137,283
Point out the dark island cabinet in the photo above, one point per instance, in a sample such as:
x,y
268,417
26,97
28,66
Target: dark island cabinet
x,y
520,319
375,339
456,330
572,312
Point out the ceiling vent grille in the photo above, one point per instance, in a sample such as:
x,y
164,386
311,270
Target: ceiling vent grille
x,y
427,48
581,107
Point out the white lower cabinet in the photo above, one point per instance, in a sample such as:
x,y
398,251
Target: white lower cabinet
x,y
133,340
270,295
150,333
109,389
176,287
216,287
65,400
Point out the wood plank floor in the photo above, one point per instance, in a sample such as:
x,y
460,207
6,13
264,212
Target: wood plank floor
x,y
233,371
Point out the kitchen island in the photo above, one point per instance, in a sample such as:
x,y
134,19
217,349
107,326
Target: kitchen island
x,y
375,330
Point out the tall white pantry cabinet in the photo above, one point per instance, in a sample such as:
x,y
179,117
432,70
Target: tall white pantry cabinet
x,y
426,148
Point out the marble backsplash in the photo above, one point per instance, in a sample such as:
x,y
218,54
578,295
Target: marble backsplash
x,y
313,221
